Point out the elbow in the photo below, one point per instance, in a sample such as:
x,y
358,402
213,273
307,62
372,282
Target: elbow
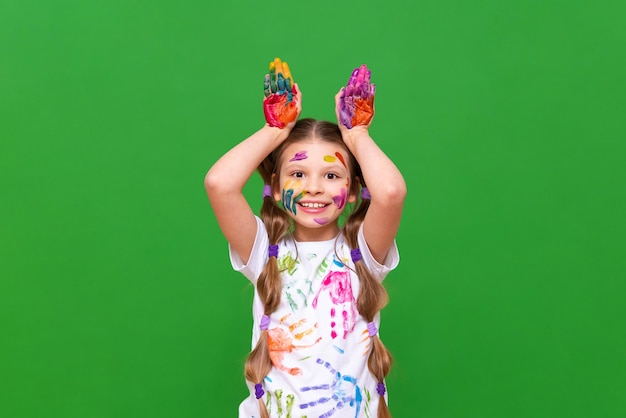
x,y
213,183
393,194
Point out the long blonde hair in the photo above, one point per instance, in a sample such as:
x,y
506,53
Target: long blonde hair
x,y
372,295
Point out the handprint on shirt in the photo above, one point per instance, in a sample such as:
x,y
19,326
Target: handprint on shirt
x,y
339,288
280,342
281,95
356,99
342,392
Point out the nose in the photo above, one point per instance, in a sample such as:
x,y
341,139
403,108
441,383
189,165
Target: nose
x,y
313,186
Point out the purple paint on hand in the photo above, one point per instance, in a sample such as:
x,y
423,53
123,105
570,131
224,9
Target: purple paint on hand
x,y
300,155
356,99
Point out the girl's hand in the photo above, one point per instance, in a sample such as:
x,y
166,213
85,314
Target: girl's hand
x,y
282,104
354,104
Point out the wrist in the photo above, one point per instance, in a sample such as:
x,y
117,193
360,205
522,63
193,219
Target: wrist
x,y
355,134
275,133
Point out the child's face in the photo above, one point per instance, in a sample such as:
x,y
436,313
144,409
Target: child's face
x,y
314,183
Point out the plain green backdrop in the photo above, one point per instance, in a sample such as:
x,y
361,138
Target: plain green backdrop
x,y
507,120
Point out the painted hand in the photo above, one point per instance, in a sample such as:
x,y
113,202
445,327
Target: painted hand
x,y
355,101
282,98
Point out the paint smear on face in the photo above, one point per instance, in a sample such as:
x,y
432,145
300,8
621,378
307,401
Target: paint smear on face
x,y
300,155
292,194
321,221
338,154
341,199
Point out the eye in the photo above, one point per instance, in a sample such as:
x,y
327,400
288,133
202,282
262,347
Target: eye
x,y
332,176
297,174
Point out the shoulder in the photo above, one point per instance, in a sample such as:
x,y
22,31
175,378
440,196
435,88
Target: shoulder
x,y
258,255
379,270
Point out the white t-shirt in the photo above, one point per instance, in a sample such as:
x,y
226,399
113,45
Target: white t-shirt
x,y
319,342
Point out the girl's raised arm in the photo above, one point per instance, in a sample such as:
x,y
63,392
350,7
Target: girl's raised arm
x,y
354,106
225,180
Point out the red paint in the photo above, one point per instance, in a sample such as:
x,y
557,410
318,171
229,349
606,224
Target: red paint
x,y
341,159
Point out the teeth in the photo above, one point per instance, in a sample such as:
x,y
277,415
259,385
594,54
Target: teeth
x,y
313,205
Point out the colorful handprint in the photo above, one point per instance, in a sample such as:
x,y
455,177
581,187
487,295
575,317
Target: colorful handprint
x,y
343,392
339,288
356,99
281,95
280,342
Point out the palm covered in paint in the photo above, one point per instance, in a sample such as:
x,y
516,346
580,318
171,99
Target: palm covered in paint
x,y
355,101
282,98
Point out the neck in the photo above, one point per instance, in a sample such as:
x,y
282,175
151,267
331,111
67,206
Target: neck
x,y
304,234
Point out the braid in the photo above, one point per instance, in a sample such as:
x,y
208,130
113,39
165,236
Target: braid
x,y
372,299
269,287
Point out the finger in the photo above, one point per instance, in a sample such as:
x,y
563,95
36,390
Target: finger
x,y
297,98
281,84
366,83
350,87
353,76
266,85
287,73
273,85
339,99
360,74
278,65
361,88
372,90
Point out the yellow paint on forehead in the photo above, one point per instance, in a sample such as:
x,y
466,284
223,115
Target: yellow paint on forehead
x,y
329,158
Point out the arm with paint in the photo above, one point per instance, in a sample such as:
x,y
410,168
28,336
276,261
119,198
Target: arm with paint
x,y
226,179
354,107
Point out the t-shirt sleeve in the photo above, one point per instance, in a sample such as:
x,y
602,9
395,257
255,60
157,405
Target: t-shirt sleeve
x,y
258,255
378,270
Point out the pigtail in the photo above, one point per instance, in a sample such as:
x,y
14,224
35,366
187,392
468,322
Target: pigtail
x,y
372,298
277,223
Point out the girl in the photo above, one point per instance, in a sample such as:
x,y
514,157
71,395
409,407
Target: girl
x,y
318,291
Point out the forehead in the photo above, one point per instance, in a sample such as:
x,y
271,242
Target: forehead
x,y
311,150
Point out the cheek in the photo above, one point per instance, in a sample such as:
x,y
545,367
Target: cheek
x,y
341,199
295,185
293,191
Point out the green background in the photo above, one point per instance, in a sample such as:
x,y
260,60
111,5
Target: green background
x,y
117,298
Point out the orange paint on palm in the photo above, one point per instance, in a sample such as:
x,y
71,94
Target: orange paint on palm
x,y
364,111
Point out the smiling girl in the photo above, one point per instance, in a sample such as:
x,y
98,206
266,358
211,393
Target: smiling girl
x,y
318,292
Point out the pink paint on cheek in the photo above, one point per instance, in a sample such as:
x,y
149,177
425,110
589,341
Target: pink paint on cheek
x,y
321,221
340,200
300,155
